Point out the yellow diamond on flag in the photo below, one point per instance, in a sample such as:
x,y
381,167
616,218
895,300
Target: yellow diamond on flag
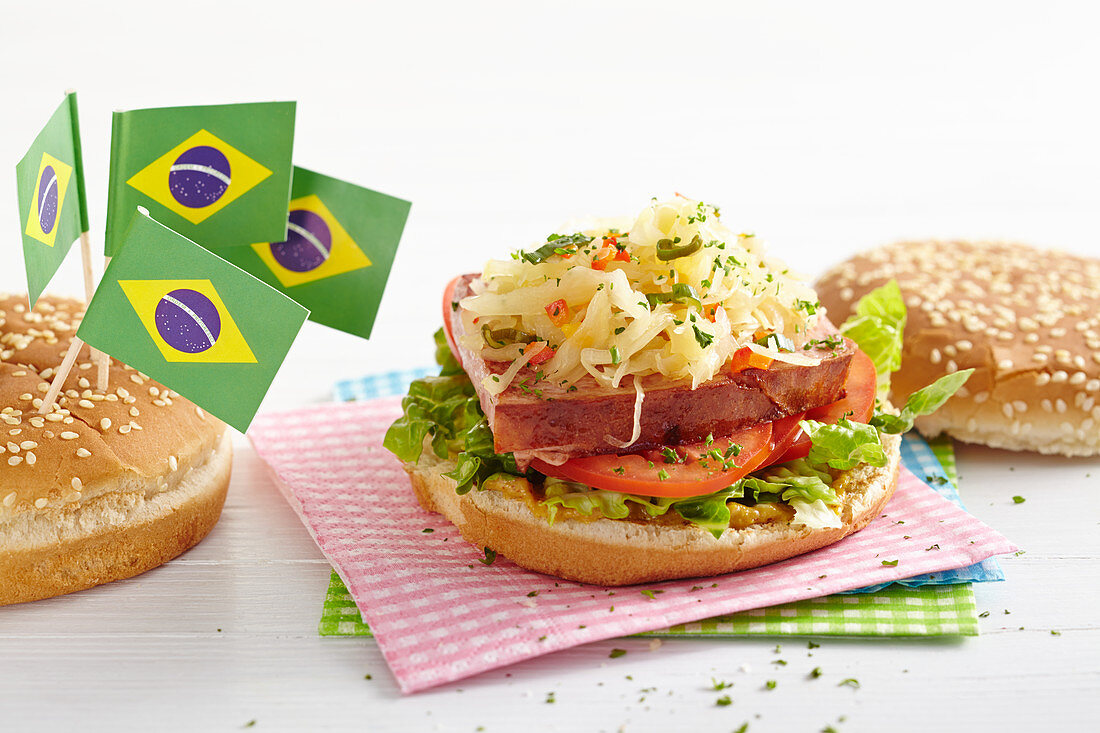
x,y
188,321
48,198
317,246
199,177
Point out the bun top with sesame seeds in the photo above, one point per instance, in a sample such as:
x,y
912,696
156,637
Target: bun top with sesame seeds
x,y
107,484
1027,320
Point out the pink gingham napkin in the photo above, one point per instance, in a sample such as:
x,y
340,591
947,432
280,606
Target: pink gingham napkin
x,y
439,614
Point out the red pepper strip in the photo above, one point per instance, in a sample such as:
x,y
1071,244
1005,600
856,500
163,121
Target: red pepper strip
x,y
558,312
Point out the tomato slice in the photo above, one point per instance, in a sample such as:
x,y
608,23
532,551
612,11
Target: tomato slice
x,y
648,473
857,404
448,293
784,434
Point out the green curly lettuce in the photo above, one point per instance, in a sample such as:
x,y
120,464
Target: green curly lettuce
x,y
446,410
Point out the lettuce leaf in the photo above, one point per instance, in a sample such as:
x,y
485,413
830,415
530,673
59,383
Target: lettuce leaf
x,y
922,402
447,409
814,514
877,329
843,445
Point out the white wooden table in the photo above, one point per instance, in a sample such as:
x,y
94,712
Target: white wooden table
x,y
825,128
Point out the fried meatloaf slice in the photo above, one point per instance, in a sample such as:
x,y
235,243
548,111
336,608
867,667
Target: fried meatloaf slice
x,y
556,422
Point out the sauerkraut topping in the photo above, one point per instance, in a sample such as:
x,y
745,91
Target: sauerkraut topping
x,y
675,293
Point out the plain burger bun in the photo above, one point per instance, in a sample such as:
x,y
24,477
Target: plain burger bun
x,y
1027,321
107,485
622,552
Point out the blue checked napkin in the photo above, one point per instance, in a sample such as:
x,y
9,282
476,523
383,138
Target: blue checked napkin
x,y
915,454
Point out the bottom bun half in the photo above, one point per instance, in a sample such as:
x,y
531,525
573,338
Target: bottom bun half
x,y
116,535
621,552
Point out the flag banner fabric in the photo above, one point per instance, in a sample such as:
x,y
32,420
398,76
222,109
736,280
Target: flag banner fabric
x,y
340,243
192,321
218,174
53,208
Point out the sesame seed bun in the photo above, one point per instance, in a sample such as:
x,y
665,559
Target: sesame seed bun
x,y
109,483
623,552
1027,320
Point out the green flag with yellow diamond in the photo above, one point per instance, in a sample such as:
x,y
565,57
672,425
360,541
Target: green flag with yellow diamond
x,y
340,244
53,209
192,321
218,174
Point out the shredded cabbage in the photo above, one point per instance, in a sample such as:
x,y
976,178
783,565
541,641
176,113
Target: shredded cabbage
x,y
675,295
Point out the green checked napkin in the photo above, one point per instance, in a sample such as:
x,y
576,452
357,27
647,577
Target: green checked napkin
x,y
896,610
931,610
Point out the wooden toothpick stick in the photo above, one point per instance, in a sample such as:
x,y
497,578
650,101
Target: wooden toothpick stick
x,y
98,357
60,377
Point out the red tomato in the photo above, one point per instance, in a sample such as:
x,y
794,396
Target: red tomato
x,y
784,433
641,473
857,404
448,293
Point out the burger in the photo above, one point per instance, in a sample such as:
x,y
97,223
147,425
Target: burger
x,y
655,398
107,483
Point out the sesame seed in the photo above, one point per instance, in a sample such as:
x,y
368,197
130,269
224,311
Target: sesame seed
x,y
981,397
124,429
1019,406
31,459
935,356
173,463
1047,405
1093,385
1060,405
1041,358
55,417
1059,376
26,396
43,388
40,503
1042,378
83,453
154,392
69,435
200,413
84,383
159,403
105,423
15,431
135,379
86,403
1006,408
9,499
77,483
1078,378
20,373
15,460
28,445
13,448
134,412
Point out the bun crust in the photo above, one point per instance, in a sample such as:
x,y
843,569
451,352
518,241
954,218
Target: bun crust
x,y
1027,321
108,484
619,552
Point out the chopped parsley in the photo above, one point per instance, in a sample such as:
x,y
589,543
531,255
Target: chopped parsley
x,y
723,701
719,685
616,653
770,684
850,682
1018,499
490,556
890,563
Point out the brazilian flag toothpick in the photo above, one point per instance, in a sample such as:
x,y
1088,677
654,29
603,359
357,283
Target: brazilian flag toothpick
x,y
192,321
340,244
218,174
53,209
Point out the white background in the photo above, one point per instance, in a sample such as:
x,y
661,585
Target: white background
x,y
826,128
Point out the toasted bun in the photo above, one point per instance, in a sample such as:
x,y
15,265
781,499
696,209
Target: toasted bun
x,y
620,552
106,485
1027,320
